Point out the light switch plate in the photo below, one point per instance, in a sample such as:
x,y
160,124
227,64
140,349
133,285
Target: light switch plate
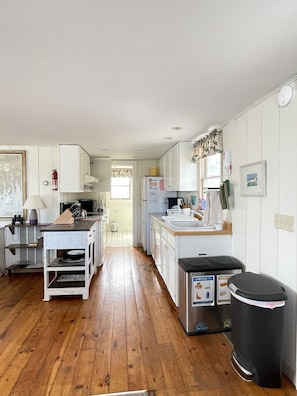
x,y
284,222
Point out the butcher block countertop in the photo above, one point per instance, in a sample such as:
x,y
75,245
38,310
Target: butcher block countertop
x,y
227,228
80,225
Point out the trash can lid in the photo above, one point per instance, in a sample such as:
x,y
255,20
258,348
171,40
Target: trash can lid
x,y
210,263
256,287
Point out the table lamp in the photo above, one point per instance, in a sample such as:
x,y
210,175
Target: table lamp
x,y
33,202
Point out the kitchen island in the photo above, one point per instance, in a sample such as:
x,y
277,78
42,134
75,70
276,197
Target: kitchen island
x,y
69,277
168,245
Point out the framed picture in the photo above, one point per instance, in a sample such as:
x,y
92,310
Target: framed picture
x,y
253,179
12,182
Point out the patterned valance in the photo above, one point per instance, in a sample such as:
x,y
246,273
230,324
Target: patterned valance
x,y
208,145
121,172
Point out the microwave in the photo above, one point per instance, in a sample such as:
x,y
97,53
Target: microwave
x,y
65,205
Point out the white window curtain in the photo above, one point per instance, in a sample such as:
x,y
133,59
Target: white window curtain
x,y
208,145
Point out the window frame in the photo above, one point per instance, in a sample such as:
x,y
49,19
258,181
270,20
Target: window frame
x,y
204,177
123,186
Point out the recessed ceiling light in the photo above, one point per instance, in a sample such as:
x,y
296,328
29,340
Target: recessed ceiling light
x,y
176,128
168,138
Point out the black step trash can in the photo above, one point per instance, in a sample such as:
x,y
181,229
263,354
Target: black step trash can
x,y
257,316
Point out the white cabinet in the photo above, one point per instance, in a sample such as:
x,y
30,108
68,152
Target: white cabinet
x,y
74,166
62,277
168,262
170,170
180,173
162,166
155,242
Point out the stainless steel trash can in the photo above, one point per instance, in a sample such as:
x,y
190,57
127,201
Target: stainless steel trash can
x,y
204,297
257,315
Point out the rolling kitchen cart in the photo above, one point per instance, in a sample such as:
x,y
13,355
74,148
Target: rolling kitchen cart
x,y
257,312
67,277
204,297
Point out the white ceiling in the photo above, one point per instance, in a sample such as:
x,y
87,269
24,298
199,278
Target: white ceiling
x,y
116,75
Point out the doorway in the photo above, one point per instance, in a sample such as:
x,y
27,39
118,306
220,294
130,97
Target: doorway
x,y
120,203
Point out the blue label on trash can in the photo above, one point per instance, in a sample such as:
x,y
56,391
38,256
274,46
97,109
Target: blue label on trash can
x,y
203,290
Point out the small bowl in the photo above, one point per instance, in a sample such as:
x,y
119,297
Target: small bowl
x,y
75,254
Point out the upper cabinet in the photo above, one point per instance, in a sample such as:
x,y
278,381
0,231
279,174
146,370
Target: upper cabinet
x,y
74,166
180,173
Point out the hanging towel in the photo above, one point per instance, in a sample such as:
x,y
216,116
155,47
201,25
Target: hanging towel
x,y
213,210
224,193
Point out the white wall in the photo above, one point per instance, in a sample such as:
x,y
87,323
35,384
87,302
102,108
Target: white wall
x,y
267,132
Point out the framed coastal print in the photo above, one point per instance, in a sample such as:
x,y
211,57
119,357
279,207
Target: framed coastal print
x,y
253,179
12,182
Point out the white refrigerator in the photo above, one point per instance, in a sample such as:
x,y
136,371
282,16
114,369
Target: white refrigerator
x,y
153,200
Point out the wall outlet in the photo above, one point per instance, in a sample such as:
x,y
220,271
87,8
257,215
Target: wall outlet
x,y
284,222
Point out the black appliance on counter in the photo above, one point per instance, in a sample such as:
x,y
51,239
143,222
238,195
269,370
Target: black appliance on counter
x,y
87,205
173,202
65,205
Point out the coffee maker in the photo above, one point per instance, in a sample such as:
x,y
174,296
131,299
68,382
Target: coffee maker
x,y
173,202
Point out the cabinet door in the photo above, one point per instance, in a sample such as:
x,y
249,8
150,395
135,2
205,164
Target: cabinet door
x,y
174,168
172,272
70,168
157,246
171,170
169,267
163,264
155,243
74,165
162,166
84,167
167,171
152,241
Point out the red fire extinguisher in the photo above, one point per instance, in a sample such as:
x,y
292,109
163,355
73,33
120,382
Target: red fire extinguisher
x,y
54,180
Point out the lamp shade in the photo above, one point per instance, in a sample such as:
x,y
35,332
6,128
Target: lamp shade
x,y
33,202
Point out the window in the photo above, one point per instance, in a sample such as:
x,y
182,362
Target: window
x,y
211,172
120,188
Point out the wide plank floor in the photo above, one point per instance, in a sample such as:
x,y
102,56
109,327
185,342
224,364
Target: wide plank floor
x,y
126,336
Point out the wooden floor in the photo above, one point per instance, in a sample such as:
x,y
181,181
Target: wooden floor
x,y
122,237
126,336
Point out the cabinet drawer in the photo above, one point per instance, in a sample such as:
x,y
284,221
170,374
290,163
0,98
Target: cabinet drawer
x,y
212,245
65,240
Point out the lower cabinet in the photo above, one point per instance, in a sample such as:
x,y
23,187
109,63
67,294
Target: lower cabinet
x,y
155,243
169,259
172,248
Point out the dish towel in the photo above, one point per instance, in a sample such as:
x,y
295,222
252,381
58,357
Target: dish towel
x,y
213,209
224,193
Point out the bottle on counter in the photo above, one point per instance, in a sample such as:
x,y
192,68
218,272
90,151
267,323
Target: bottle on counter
x,y
101,206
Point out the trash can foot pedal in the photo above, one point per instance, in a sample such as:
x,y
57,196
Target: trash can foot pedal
x,y
245,374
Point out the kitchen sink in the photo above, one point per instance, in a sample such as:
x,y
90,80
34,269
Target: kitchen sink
x,y
192,225
184,223
187,224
